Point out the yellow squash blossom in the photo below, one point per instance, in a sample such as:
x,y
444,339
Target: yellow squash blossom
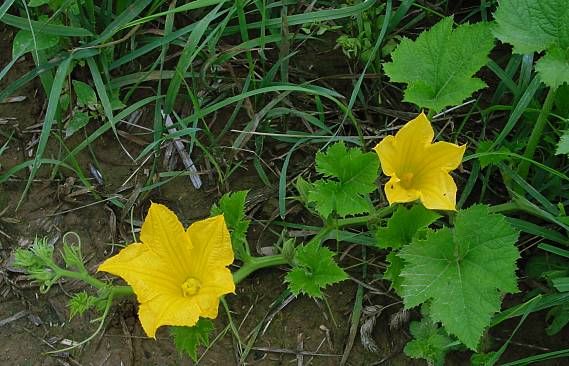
x,y
178,276
418,168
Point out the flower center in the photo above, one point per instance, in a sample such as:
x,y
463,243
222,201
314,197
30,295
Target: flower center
x,y
406,180
191,287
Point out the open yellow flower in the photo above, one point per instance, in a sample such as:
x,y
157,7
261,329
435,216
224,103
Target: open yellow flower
x,y
178,276
418,168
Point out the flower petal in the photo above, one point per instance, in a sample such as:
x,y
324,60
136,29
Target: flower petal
x,y
164,234
437,191
396,193
168,310
405,152
444,155
389,156
219,282
212,248
148,275
418,131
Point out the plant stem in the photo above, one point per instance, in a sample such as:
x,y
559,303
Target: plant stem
x,y
81,276
360,220
533,141
506,207
257,263
121,291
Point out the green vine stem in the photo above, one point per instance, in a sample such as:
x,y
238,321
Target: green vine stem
x,y
362,220
523,168
257,263
81,276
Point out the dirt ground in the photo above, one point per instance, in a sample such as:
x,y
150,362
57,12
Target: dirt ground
x,y
302,332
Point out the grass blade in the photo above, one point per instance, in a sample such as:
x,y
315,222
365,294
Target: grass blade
x,y
53,29
52,104
4,8
188,55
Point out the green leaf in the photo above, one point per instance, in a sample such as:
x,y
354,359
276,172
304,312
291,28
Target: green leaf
x,y
24,42
188,339
116,103
73,258
546,267
86,96
485,146
80,303
463,271
393,271
553,68
232,206
78,120
429,342
34,3
303,187
438,66
532,26
558,318
561,284
314,269
563,145
64,101
403,225
330,196
351,177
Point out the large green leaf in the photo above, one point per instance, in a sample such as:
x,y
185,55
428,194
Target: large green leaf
x,y
351,177
463,272
533,26
438,67
314,268
403,225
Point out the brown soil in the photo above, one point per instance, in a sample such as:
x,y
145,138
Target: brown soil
x,y
32,324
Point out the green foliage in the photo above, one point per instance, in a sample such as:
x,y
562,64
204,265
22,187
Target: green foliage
x,y
35,3
485,146
80,303
86,96
78,120
404,225
232,206
303,187
360,35
463,272
73,258
557,318
351,176
563,145
430,342
24,42
547,266
38,263
438,67
188,339
535,26
313,270
553,68
393,271
532,26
